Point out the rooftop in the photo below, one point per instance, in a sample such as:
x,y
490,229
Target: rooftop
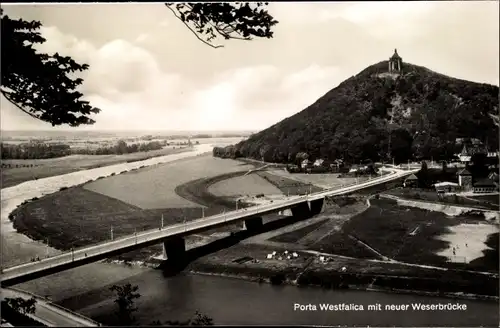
x,y
411,177
464,172
395,55
446,183
484,183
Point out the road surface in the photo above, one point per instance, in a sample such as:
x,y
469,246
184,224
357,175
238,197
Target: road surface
x,y
99,251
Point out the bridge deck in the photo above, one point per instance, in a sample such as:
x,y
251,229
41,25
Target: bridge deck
x,y
67,260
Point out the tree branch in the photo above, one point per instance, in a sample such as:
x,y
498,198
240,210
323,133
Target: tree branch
x,y
5,94
195,34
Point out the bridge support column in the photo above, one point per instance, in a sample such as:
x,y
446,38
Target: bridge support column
x,y
301,211
316,206
174,249
253,224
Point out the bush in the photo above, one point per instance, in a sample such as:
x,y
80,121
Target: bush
x,y
63,188
277,279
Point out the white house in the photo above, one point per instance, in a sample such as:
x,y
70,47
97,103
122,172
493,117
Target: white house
x,y
447,186
318,162
304,163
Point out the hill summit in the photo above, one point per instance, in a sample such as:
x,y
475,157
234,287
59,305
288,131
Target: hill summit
x,y
390,110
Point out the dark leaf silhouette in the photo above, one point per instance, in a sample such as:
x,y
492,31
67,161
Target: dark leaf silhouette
x,y
41,85
224,20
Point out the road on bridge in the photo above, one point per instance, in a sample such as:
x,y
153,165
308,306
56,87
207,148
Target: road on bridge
x,y
84,255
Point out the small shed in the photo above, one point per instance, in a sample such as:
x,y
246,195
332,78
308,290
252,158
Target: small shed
x,y
446,187
411,181
484,186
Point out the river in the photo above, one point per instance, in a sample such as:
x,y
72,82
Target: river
x,y
228,301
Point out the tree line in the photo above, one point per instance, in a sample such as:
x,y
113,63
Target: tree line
x,y
121,148
39,150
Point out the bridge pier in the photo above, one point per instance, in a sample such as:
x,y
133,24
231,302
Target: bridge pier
x,y
253,224
316,206
174,249
301,211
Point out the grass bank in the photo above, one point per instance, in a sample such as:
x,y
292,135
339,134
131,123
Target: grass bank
x,y
360,274
32,169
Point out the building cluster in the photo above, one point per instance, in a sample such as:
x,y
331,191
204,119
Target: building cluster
x,y
467,181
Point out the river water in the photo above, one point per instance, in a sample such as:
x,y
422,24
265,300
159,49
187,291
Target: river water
x,y
227,300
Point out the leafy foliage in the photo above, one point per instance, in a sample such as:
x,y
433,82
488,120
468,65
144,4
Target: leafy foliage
x,y
22,305
45,86
417,115
41,85
237,20
199,319
125,298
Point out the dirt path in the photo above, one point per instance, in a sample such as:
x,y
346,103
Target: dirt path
x,y
371,249
334,224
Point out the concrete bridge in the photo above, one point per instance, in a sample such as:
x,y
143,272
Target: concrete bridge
x,y
174,247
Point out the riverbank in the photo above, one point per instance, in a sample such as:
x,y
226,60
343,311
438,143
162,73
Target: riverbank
x,y
361,274
336,272
34,169
17,248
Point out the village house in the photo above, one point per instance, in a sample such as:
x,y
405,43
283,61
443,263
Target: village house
x,y
304,164
357,168
485,186
447,187
465,179
318,162
411,181
474,147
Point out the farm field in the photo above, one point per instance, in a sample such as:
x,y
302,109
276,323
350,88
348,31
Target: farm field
x,y
247,185
31,169
415,236
154,187
324,181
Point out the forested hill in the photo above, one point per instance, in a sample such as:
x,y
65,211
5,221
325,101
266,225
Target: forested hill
x,y
375,115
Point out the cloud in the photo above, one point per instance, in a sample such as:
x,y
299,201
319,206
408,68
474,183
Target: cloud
x,y
147,71
126,82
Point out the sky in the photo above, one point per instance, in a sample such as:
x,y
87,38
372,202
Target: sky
x,y
149,72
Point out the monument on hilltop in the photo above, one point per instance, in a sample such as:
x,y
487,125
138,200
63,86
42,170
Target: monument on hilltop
x,y
395,63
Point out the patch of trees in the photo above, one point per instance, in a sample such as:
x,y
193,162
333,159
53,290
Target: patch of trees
x,y
33,150
121,148
418,115
16,311
45,86
47,150
427,177
127,294
226,152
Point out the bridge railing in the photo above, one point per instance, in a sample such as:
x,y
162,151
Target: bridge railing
x,y
146,232
51,303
